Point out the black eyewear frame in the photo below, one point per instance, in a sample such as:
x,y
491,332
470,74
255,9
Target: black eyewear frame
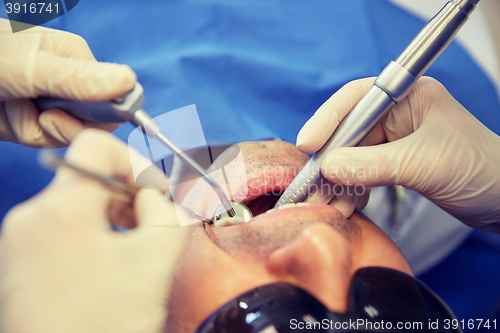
x,y
380,300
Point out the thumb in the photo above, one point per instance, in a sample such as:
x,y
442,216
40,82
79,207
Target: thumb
x,y
158,222
325,120
78,79
153,210
380,165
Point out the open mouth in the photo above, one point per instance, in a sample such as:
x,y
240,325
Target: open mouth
x,y
265,204
259,194
263,193
269,168
262,204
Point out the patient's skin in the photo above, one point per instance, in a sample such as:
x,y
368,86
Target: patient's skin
x,y
313,247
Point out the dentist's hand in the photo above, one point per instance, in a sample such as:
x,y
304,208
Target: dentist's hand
x,y
428,142
63,270
46,62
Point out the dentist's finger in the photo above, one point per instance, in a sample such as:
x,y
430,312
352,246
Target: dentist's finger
x,y
345,201
323,123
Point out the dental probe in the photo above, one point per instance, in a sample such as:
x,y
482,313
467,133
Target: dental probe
x,y
128,108
390,88
53,161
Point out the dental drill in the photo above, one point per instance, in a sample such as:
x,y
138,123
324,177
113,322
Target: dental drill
x,y
390,88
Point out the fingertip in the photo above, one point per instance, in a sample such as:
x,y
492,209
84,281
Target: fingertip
x,y
345,204
98,151
129,77
319,128
305,141
152,208
112,80
304,147
363,199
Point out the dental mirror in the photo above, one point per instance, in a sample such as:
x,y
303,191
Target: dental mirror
x,y
222,219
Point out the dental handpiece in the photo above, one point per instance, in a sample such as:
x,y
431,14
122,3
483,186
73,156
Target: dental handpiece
x,y
128,108
390,88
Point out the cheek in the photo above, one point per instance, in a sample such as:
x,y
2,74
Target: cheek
x,y
200,199
379,250
205,279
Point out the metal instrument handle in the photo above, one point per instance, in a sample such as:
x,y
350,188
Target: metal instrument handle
x,y
119,110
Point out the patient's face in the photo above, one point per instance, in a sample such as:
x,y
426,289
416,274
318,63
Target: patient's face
x,y
313,247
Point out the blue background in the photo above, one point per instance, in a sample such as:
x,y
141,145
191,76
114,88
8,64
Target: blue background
x,y
260,68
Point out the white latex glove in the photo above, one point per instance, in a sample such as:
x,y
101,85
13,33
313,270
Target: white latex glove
x,y
46,62
63,270
346,199
428,142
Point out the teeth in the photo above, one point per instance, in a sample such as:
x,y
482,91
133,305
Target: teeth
x,y
290,205
298,204
229,221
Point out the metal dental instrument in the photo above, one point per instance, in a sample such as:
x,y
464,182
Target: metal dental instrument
x,y
242,211
128,108
53,161
390,88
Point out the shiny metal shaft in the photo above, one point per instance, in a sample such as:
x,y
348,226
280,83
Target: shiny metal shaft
x,y
142,118
435,36
390,87
199,171
51,161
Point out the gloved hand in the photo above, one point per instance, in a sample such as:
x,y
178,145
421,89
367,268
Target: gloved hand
x,y
63,270
47,62
428,142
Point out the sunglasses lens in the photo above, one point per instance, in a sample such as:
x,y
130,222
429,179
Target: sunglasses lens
x,y
381,294
273,308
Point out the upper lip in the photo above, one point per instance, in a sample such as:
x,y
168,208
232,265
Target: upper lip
x,y
267,183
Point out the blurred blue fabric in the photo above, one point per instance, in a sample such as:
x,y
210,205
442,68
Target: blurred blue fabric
x,y
259,69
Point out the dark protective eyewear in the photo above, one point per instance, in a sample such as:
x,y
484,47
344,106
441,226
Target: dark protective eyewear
x,y
380,300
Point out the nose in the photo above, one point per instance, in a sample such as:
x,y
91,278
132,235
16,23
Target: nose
x,y
318,261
